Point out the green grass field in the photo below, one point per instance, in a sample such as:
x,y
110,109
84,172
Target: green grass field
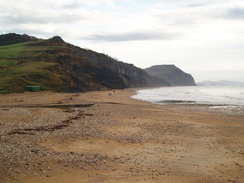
x,y
12,50
7,62
42,63
20,63
9,54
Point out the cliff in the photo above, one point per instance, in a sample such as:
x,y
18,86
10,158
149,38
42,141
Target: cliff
x,y
172,74
59,66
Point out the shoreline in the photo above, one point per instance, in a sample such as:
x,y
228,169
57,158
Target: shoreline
x,y
116,139
223,108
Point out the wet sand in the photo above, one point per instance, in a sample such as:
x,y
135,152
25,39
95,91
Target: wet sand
x,y
108,137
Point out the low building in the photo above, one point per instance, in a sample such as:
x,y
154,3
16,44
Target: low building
x,y
32,88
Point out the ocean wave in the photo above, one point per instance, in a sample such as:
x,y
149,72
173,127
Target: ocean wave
x,y
176,102
212,95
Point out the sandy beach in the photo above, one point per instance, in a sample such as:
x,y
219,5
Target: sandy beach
x,y
108,137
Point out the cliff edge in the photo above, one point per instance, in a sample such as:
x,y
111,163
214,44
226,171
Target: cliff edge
x,y
172,74
56,65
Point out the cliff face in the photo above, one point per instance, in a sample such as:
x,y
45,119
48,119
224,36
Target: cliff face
x,y
131,75
58,66
173,75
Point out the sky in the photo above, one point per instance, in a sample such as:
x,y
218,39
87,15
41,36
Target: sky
x,y
202,37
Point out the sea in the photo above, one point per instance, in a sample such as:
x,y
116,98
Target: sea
x,y
214,96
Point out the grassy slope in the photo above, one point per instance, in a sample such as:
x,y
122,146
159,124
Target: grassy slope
x,y
11,50
46,64
19,65
59,66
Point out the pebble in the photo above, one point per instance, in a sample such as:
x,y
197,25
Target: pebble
x,y
24,150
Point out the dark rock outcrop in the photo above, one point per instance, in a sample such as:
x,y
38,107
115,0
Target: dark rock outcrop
x,y
172,74
55,39
12,38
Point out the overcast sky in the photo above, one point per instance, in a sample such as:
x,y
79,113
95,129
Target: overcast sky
x,y
202,37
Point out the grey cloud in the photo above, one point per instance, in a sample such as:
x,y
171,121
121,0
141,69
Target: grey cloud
x,y
37,33
199,4
134,36
40,19
72,5
234,13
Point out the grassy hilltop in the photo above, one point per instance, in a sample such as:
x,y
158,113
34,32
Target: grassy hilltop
x,y
58,66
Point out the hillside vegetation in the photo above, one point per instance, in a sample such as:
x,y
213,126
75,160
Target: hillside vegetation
x,y
58,66
12,38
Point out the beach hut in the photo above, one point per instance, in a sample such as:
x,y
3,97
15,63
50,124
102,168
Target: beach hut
x,y
32,88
